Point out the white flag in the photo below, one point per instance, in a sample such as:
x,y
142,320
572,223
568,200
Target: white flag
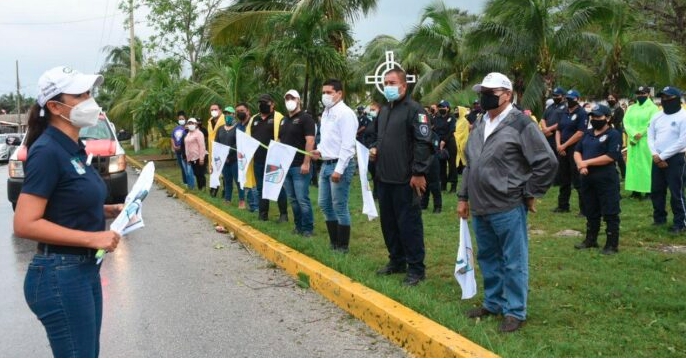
x,y
464,265
277,163
219,153
368,205
246,147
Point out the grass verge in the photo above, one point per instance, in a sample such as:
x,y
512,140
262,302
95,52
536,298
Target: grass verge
x,y
581,303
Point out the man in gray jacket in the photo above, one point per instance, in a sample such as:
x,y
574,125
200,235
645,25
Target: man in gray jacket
x,y
509,164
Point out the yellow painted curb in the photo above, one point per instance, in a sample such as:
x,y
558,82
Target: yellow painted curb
x,y
414,332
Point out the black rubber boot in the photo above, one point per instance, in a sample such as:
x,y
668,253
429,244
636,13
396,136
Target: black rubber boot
x,y
612,232
283,210
213,192
452,187
592,229
263,210
332,228
343,238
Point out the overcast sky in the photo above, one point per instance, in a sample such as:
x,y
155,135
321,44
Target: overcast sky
x,y
41,34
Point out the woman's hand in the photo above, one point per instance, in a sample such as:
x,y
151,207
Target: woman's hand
x,y
113,210
107,240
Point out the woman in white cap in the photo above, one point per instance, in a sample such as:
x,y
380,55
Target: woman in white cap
x,y
196,151
62,207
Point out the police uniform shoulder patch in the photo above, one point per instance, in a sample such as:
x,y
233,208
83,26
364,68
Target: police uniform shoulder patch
x,y
422,118
424,129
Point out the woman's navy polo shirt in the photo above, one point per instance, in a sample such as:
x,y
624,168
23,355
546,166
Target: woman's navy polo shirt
x,y
56,170
606,143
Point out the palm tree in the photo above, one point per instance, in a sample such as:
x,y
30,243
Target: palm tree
x,y
435,47
624,57
533,42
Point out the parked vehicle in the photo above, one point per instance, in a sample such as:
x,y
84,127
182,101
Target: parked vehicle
x,y
7,148
108,157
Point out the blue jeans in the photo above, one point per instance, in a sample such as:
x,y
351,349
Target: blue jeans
x,y
297,187
333,197
180,161
190,175
503,257
65,293
230,173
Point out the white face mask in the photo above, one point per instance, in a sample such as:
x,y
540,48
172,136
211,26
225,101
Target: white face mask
x,y
372,114
182,122
291,105
85,114
214,113
192,127
327,100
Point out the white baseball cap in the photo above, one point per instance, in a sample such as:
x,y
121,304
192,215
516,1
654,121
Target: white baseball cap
x,y
292,93
62,79
494,80
192,120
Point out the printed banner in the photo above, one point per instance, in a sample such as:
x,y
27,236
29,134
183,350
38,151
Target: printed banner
x,y
368,205
246,147
464,265
219,154
277,163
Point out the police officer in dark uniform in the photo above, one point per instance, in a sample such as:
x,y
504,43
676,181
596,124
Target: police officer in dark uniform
x,y
403,156
551,116
595,156
444,126
617,123
475,112
570,128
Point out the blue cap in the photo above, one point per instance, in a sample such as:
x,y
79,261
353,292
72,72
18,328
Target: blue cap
x,y
444,103
559,91
670,91
601,110
573,94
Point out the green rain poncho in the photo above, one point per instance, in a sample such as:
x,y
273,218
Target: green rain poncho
x,y
639,161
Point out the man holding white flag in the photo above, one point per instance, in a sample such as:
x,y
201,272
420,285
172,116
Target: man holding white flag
x,y
509,164
403,155
298,130
464,264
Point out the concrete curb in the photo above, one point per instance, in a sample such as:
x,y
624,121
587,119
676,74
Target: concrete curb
x,y
414,332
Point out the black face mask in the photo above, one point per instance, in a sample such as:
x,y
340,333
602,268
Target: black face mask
x,y
641,99
443,112
489,101
598,124
557,100
241,116
265,108
612,103
671,106
572,103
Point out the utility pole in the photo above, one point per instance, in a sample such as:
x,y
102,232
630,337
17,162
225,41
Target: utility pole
x,y
132,57
18,96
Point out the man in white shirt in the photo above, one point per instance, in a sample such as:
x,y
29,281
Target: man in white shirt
x,y
336,149
667,143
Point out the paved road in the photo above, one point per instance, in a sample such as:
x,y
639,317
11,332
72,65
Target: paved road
x,y
176,288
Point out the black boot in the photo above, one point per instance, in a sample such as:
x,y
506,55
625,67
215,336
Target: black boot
x,y
283,210
343,238
592,229
263,210
332,228
213,192
612,232
452,187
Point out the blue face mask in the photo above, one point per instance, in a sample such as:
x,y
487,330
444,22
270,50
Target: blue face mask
x,y
392,93
228,120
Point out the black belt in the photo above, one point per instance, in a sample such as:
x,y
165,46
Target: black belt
x,y
46,249
331,162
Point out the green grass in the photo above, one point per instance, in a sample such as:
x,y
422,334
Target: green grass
x,y
581,303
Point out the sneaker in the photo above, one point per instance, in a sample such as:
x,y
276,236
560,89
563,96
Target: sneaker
x,y
677,230
241,204
561,210
307,234
283,218
510,324
479,313
296,231
608,251
412,280
389,269
586,245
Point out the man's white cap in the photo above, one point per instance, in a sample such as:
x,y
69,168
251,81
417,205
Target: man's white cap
x,y
64,79
292,93
192,120
494,80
